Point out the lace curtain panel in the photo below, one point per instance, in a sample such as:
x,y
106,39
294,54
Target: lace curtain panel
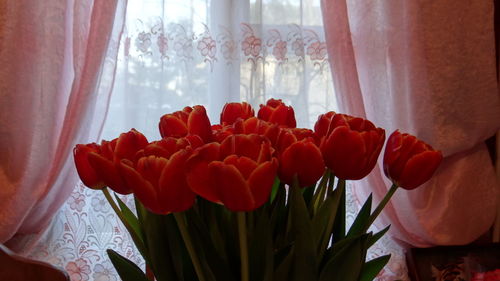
x,y
178,53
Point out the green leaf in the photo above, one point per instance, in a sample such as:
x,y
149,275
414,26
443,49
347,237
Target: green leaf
x,y
319,193
126,269
213,263
261,250
156,235
371,269
359,225
345,264
274,190
374,238
130,217
339,224
307,193
133,226
176,245
320,222
279,216
305,260
284,271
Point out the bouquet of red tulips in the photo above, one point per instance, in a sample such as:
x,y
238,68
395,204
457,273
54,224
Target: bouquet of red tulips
x,y
252,198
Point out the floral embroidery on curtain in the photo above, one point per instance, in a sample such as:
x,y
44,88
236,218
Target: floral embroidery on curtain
x,y
174,42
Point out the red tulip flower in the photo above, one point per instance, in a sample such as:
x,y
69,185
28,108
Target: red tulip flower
x,y
302,159
86,172
351,146
160,183
189,121
260,127
168,146
97,165
321,128
221,132
288,136
275,111
234,111
238,173
408,161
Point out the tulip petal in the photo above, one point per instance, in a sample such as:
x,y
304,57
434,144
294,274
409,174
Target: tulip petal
x,y
344,152
303,159
232,188
107,170
321,126
129,143
234,111
242,145
151,168
251,125
143,189
198,175
87,174
420,169
244,164
199,124
261,182
171,126
174,191
402,152
265,112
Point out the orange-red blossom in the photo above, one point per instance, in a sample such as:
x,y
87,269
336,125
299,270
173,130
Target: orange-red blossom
x,y
408,161
97,165
238,173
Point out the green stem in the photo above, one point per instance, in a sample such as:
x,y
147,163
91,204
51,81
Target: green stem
x,y
381,205
139,243
189,245
115,207
243,245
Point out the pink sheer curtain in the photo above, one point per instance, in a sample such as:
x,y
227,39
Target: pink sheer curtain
x,y
427,68
54,65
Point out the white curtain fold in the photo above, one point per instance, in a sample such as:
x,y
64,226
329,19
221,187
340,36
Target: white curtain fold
x,y
55,57
426,68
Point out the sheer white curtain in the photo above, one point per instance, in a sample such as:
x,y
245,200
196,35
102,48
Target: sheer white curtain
x,y
178,53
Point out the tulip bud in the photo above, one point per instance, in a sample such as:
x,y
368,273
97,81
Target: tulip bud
x,y
275,111
234,111
408,161
302,159
238,173
87,174
97,165
351,147
189,121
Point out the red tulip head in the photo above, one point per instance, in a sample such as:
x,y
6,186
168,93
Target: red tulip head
x,y
238,173
160,183
97,164
87,174
189,121
234,111
301,159
255,125
351,146
408,161
275,111
321,128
